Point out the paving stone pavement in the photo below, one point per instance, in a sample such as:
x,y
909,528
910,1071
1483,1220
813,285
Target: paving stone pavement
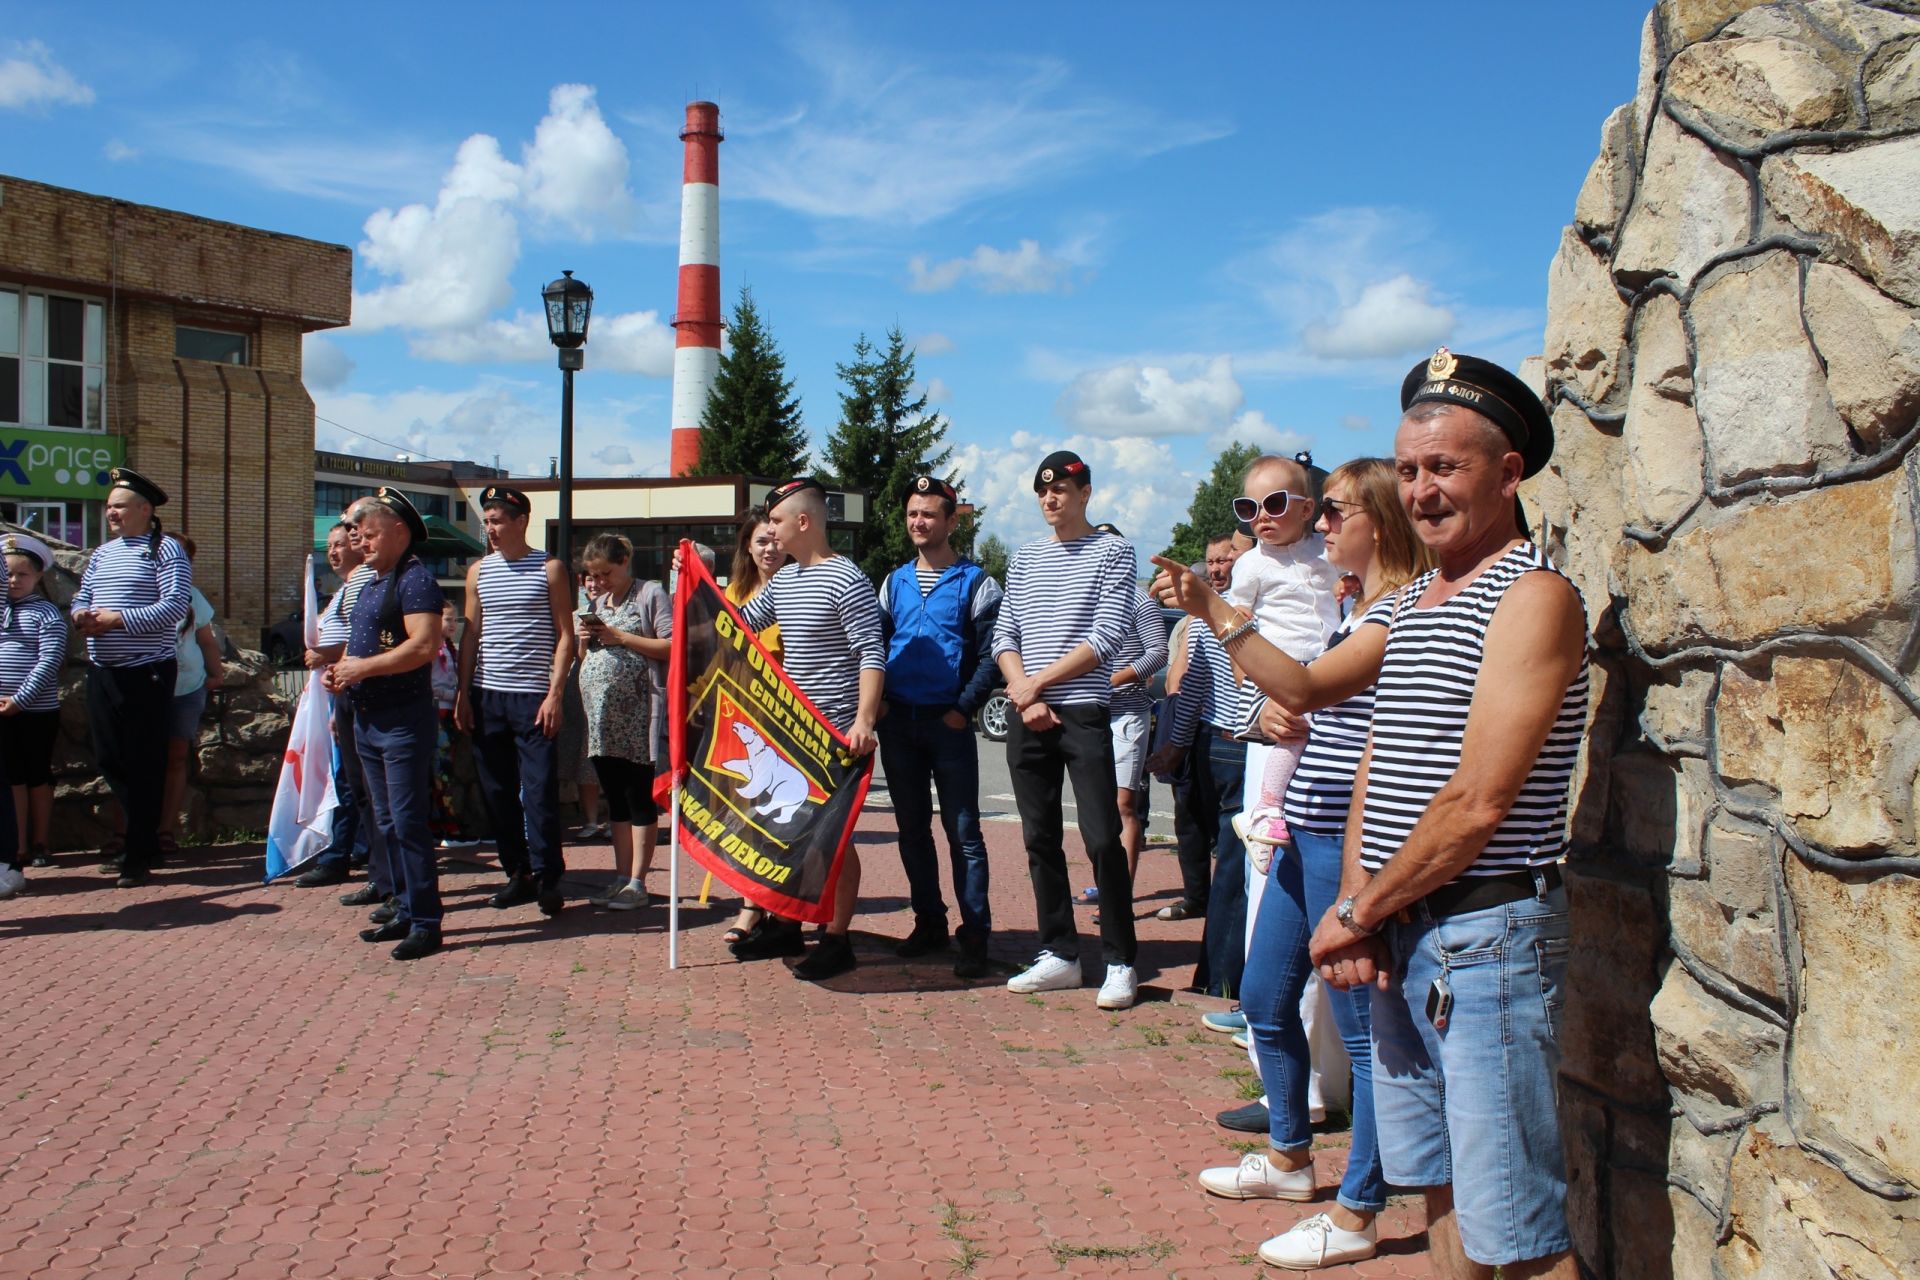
x,y
212,1079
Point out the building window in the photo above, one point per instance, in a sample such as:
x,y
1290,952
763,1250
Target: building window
x,y
52,361
215,345
67,520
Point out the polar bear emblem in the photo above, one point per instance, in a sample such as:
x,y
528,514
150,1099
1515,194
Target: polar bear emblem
x,y
772,779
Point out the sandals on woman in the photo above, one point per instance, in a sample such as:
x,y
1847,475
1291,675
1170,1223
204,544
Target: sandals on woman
x,y
738,933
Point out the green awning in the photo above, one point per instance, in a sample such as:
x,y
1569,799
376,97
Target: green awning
x,y
444,538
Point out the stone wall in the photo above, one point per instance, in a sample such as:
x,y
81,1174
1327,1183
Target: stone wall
x,y
1733,355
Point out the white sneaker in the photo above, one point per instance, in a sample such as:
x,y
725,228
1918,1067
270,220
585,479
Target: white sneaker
x,y
1120,988
628,898
1048,972
12,881
1316,1243
1255,1178
1255,828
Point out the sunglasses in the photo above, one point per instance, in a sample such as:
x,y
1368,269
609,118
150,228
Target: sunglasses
x,y
1275,504
1332,509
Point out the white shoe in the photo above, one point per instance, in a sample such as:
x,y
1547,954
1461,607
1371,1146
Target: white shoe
x,y
1318,1242
628,898
1048,972
1255,1178
1252,827
1120,989
12,881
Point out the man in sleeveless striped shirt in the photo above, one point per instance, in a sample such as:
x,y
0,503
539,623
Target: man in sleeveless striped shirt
x,y
1451,900
939,609
1068,609
135,593
515,655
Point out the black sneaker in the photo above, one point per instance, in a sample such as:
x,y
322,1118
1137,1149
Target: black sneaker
x,y
551,900
517,891
365,896
384,912
389,931
830,957
1251,1118
927,936
770,938
421,941
335,874
41,857
973,962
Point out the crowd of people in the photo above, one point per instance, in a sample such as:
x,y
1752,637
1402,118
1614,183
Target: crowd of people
x,y
1375,699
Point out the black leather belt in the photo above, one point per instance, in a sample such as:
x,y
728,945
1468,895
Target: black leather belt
x,y
1477,893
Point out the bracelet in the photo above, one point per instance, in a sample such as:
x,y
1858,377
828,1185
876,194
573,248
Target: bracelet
x,y
1236,631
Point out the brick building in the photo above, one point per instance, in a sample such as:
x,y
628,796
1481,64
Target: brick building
x,y
172,342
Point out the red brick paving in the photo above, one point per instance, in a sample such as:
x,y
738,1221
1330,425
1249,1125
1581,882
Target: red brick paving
x,y
218,1079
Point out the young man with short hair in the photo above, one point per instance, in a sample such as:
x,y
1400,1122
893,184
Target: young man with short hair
x,y
1066,615
515,656
940,608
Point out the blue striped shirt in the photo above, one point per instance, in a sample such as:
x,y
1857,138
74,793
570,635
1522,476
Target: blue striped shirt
x,y
153,592
33,645
1208,692
1145,653
1060,594
830,631
517,638
336,619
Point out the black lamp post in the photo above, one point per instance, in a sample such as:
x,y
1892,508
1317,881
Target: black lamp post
x,y
569,305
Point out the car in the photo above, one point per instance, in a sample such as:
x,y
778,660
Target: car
x,y
995,717
285,642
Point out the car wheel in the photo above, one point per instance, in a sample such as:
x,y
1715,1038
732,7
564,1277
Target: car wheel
x,y
996,717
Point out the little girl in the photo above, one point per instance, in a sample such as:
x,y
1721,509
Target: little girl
x,y
33,645
1290,590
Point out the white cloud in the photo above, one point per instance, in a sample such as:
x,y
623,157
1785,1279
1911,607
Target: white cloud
x,y
323,365
1392,317
31,80
575,170
1138,485
614,455
1253,427
449,263
118,151
631,342
932,344
319,168
1356,422
935,390
1135,399
886,139
1023,269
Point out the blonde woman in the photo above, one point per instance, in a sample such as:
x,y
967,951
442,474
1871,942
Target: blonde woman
x,y
756,558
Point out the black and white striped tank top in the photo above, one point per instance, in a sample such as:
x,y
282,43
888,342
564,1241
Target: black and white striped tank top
x,y
1420,717
517,638
1321,792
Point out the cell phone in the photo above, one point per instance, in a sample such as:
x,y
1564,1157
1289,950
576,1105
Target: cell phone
x,y
589,617
1439,1004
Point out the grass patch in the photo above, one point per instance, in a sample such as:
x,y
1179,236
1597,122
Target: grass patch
x,y
1245,1146
1155,1247
968,1252
1154,1036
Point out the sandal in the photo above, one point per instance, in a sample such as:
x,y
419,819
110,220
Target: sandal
x,y
1088,896
738,933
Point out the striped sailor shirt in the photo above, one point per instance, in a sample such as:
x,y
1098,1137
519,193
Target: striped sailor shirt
x,y
829,619
337,618
517,638
1321,792
1420,710
1060,594
1144,652
1209,694
33,645
152,589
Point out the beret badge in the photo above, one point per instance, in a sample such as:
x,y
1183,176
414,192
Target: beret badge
x,y
1443,364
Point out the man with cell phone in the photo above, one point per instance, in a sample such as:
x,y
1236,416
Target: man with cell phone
x,y
515,655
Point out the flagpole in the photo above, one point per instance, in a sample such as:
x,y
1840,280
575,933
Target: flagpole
x,y
673,879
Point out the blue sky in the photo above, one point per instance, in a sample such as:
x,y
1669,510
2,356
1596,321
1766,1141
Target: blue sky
x,y
1138,230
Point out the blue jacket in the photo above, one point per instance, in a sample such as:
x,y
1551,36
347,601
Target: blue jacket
x,y
936,648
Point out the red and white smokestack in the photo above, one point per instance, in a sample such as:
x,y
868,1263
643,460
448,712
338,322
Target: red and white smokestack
x,y
696,320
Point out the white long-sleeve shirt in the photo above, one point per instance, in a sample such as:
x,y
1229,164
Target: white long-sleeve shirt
x,y
1289,592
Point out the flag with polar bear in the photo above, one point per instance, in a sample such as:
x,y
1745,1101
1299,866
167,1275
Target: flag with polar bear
x,y
763,789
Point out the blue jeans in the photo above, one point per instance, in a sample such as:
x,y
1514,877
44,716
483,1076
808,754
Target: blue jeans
x,y
1300,888
397,749
1474,1105
356,837
519,768
1218,777
916,752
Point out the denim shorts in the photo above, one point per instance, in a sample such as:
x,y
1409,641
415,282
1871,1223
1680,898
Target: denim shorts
x,y
183,721
1474,1105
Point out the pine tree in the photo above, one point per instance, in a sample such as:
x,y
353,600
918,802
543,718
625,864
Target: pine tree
x,y
885,438
1210,514
752,423
993,558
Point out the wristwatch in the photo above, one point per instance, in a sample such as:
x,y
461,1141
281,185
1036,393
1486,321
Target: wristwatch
x,y
1344,914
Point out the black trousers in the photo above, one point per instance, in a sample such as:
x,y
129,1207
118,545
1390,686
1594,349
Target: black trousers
x,y
1081,749
519,768
126,709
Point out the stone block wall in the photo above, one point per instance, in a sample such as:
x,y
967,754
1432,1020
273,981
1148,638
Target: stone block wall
x,y
1733,356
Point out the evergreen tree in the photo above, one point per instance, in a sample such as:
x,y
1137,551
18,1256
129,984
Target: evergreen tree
x,y
1210,514
884,439
752,424
993,558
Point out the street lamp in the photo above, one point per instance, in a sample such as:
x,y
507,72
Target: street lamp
x,y
569,305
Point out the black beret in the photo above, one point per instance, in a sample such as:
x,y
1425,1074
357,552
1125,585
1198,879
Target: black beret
x,y
1062,464
502,496
1109,528
1489,390
128,478
398,503
929,486
780,493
